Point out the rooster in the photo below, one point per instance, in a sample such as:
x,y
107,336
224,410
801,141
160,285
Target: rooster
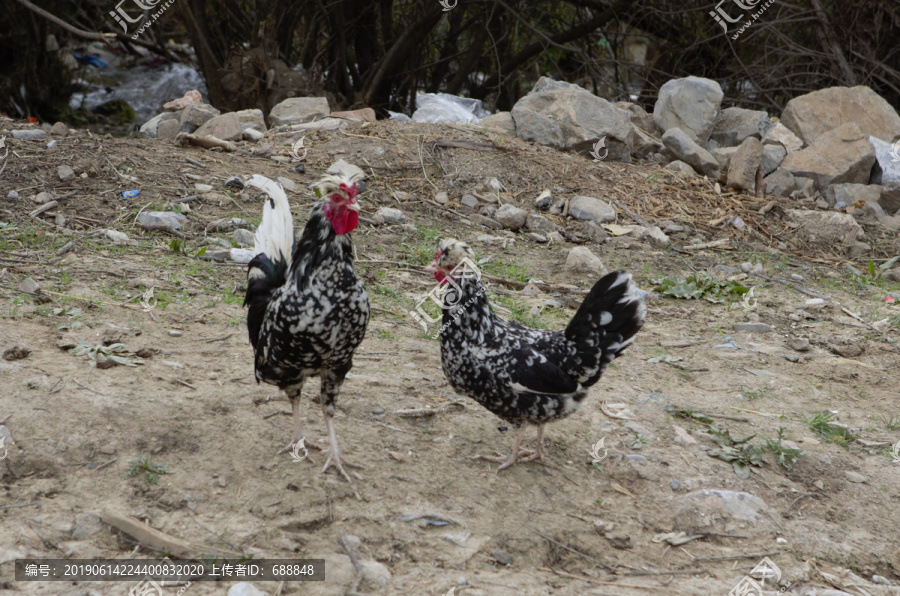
x,y
307,310
527,375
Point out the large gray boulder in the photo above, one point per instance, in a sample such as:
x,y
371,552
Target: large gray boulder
x,y
837,156
850,193
502,121
684,148
825,230
297,110
691,104
736,124
570,118
780,183
816,113
772,156
149,128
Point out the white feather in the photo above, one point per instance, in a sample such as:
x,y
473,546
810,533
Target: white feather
x,y
275,234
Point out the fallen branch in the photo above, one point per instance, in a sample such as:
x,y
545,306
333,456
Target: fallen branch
x,y
45,207
419,412
104,37
207,142
156,540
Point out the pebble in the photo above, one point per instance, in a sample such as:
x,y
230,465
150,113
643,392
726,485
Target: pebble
x,y
581,258
29,286
796,277
243,237
288,184
203,187
551,303
12,196
441,198
746,267
537,237
800,344
235,182
300,168
495,184
43,197
881,580
511,217
391,216
469,201
502,557
544,201
555,237
855,477
675,484
673,229
753,327
65,173
378,411
175,333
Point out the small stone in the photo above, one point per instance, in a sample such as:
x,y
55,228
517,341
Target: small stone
x,y
555,237
746,267
117,237
16,353
252,135
581,258
156,220
43,197
544,201
346,170
502,557
288,184
243,237
235,183
855,477
495,184
441,198
12,196
59,130
378,411
753,327
683,437
675,485
391,216
108,450
591,209
673,229
221,482
175,333
203,187
800,344
29,286
488,210
469,201
374,573
65,173
511,217
880,580
537,237
618,540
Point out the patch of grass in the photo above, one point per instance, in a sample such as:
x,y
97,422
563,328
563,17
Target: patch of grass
x,y
506,271
146,468
784,456
701,286
385,291
740,453
890,424
229,297
385,334
823,425
518,312
761,392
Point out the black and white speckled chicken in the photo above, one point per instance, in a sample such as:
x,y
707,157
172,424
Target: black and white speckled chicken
x,y
307,309
527,375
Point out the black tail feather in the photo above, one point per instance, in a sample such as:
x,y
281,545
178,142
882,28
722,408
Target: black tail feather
x,y
604,325
264,278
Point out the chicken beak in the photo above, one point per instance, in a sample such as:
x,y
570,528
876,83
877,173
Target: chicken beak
x,y
353,206
433,268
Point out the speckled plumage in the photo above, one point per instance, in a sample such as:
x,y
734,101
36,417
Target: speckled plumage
x,y
307,309
528,375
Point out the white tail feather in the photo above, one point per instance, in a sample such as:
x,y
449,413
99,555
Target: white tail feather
x,y
275,234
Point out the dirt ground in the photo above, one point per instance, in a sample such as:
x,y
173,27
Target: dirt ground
x,y
420,504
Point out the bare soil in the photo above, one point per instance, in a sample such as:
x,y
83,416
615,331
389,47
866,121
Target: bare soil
x,y
571,527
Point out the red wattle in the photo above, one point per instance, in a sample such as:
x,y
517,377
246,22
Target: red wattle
x,y
343,220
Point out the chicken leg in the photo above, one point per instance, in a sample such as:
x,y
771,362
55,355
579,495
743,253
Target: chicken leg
x,y
516,455
293,394
331,385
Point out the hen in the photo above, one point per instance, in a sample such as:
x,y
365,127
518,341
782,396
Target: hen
x,y
526,375
307,310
